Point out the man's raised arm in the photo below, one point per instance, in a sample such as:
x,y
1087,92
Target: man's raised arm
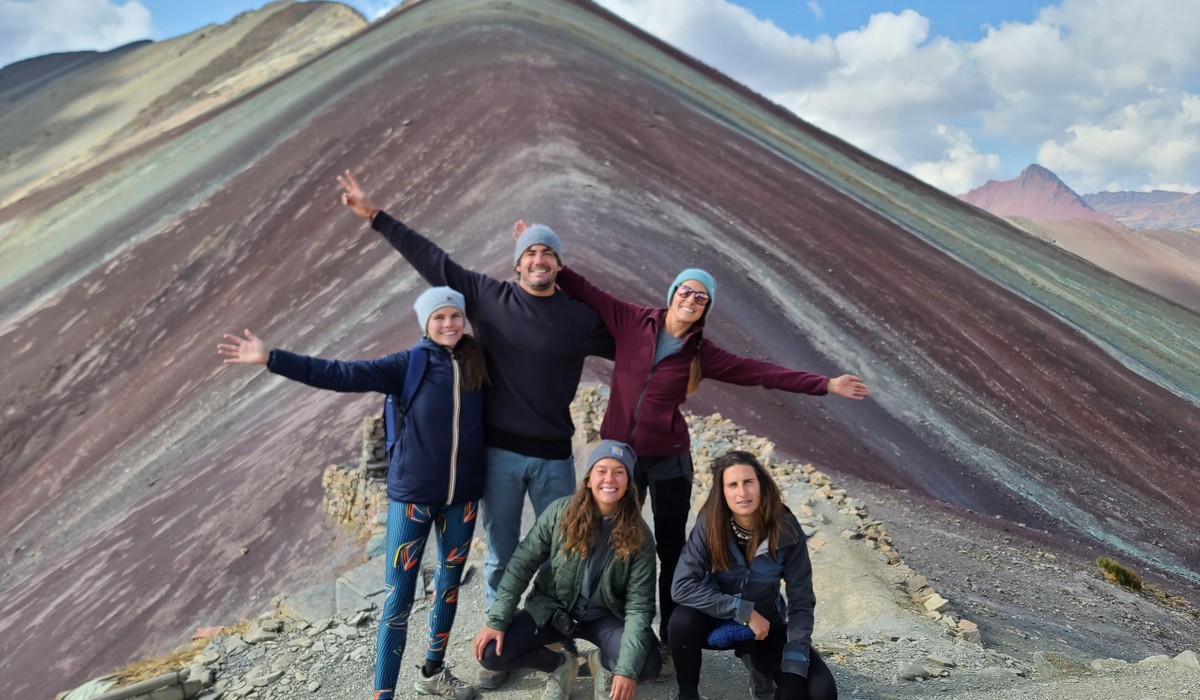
x,y
429,260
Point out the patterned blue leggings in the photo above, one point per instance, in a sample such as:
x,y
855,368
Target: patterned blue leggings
x,y
408,527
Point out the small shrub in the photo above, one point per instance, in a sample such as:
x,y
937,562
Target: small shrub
x,y
146,669
181,657
1119,574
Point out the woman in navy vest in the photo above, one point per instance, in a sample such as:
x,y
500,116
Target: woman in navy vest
x,y
435,473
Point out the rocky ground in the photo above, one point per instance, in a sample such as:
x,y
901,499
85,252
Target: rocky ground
x,y
1002,619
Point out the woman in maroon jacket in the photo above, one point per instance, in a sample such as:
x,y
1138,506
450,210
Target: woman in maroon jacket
x,y
661,357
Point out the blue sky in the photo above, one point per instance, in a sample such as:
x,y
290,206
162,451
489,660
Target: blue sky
x,y
1106,93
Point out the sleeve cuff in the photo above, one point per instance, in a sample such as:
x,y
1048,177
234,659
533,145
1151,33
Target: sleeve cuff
x,y
795,662
742,609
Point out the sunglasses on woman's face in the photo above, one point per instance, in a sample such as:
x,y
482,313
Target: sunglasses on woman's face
x,y
685,291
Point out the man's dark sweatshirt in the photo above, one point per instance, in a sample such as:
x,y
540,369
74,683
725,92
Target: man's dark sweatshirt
x,y
535,346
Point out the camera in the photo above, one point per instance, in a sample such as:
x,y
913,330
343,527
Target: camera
x,y
564,623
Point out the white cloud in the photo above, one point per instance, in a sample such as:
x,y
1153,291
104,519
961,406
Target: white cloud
x,y
1154,144
37,27
732,40
1105,90
891,88
1157,38
374,10
883,87
887,38
962,168
1106,87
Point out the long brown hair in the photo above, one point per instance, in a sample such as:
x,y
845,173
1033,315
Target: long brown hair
x,y
694,373
769,524
469,353
581,522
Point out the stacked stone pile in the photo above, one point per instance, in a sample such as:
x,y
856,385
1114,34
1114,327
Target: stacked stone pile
x,y
587,411
373,457
714,435
356,493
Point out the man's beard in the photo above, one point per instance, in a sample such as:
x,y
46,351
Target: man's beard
x,y
538,286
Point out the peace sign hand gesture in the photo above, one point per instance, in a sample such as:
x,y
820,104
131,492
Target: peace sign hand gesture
x,y
354,197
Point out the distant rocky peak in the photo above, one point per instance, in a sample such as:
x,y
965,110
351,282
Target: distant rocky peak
x,y
1036,173
1037,194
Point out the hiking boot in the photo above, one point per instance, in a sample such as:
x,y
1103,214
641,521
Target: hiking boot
x,y
668,664
443,684
604,677
558,684
569,646
490,680
762,687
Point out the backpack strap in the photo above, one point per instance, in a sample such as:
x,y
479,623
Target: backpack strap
x,y
418,358
395,408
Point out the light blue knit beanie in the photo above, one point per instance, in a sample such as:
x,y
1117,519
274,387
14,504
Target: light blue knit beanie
x,y
435,298
695,273
538,234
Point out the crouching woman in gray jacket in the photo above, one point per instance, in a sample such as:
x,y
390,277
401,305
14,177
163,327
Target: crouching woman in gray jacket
x,y
599,587
727,588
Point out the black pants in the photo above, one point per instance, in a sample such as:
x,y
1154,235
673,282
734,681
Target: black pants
x,y
689,632
525,646
668,482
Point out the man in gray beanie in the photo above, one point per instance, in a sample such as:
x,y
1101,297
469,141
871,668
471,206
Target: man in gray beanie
x,y
535,339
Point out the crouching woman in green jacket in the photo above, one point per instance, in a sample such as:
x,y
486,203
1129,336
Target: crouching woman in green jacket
x,y
599,587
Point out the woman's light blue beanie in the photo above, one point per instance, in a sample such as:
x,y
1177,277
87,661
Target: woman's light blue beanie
x,y
695,273
435,298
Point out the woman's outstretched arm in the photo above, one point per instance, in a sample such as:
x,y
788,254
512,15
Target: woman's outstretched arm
x,y
384,375
724,366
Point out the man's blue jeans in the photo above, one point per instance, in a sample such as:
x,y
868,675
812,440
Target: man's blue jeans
x,y
509,476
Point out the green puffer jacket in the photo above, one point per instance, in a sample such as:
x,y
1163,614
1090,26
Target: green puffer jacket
x,y
627,586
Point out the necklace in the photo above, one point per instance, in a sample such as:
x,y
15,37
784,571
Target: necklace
x,y
741,534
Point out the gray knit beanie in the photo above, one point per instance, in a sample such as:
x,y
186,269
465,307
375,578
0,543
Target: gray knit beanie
x,y
617,450
538,234
435,298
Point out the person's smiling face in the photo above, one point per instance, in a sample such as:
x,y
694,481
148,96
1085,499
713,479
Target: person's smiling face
x,y
686,306
446,326
608,480
537,269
